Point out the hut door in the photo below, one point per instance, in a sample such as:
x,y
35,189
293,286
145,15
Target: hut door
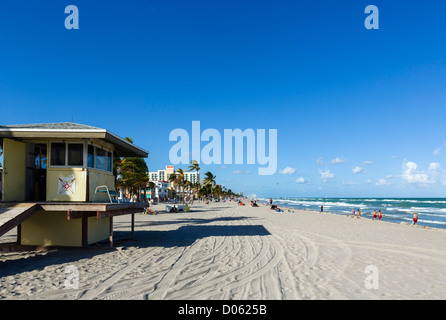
x,y
14,156
38,172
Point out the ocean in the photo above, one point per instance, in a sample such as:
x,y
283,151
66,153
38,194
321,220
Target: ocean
x,y
431,211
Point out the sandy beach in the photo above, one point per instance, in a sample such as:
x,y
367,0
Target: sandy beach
x,y
223,251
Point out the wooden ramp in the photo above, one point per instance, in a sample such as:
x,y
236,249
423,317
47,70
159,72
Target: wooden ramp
x,y
13,214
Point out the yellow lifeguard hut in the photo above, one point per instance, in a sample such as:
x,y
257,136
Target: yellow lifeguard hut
x,y
52,172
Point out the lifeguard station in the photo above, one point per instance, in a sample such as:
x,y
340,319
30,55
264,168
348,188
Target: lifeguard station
x,y
54,175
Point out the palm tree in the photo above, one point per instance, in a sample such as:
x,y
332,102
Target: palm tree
x,y
173,180
188,187
132,172
194,165
209,181
205,191
152,187
210,178
181,182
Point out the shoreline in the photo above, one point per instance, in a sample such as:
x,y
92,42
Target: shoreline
x,y
365,218
367,214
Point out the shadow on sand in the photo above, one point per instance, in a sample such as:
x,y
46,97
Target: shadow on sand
x,y
181,237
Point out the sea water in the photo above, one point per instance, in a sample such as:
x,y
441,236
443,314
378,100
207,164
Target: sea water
x,y
431,211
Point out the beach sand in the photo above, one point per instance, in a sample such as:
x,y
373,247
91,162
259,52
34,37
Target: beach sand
x,y
224,251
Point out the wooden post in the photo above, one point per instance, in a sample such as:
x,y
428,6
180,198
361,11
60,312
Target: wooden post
x,y
19,234
110,232
133,224
85,231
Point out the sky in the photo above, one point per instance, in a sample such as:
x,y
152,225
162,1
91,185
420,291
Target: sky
x,y
358,112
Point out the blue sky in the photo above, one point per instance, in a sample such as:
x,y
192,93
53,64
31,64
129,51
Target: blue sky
x,y
358,112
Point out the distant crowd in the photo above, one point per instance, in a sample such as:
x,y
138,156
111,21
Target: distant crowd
x,y
376,215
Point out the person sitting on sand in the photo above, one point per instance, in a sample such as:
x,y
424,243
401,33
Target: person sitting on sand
x,y
374,214
415,218
273,207
380,215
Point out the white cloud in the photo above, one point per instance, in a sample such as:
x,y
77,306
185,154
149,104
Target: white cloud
x,y
437,174
382,182
320,161
437,151
326,175
288,170
358,169
411,174
302,180
349,183
338,160
434,166
365,163
241,172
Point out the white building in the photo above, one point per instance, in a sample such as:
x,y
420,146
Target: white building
x,y
161,191
164,175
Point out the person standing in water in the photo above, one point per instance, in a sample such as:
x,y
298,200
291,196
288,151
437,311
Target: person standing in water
x,y
415,218
374,214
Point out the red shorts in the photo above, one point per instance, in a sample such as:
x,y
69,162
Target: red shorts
x,y
415,220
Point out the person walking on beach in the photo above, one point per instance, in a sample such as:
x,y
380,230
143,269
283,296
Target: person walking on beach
x,y
415,218
374,214
270,201
380,215
322,208
353,212
359,214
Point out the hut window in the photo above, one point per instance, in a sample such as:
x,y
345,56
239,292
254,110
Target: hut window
x,y
100,159
75,154
109,161
90,157
57,154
